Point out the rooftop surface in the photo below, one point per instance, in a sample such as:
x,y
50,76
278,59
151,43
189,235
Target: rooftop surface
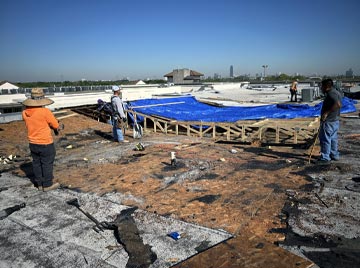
x,y
257,194
49,232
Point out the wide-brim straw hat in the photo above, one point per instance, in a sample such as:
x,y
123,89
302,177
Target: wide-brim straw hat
x,y
37,98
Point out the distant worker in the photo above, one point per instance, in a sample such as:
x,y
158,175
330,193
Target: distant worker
x,y
293,90
329,125
119,117
316,93
39,123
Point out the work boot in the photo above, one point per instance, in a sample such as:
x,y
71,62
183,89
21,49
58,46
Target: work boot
x,y
36,186
52,187
323,162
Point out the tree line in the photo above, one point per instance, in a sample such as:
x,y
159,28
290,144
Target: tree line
x,y
279,78
82,83
270,78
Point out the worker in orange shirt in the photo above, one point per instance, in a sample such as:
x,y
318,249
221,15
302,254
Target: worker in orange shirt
x,y
39,123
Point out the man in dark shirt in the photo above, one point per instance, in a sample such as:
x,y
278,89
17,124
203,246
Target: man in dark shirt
x,y
330,116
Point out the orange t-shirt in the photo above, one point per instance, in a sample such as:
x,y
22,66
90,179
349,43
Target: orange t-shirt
x,y
39,122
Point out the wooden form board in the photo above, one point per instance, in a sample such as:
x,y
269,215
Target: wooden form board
x,y
268,131
278,131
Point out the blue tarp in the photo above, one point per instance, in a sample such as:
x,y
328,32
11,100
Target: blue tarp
x,y
187,108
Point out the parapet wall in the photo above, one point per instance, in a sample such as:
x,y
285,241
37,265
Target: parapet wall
x,y
73,99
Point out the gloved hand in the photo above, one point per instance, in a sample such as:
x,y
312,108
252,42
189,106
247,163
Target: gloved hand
x,y
323,118
124,119
56,131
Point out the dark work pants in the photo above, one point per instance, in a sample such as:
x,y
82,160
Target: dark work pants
x,y
43,161
293,94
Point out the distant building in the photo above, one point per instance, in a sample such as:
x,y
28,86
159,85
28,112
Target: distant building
x,y
217,76
349,73
7,85
183,76
315,78
9,106
137,83
231,71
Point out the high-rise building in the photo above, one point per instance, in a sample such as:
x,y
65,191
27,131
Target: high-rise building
x,y
231,71
349,73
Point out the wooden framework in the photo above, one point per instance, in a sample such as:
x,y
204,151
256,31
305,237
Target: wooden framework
x,y
268,131
271,131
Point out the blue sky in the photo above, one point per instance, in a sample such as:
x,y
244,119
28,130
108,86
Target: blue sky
x,y
50,40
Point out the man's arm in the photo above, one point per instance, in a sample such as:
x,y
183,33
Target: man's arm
x,y
119,107
51,120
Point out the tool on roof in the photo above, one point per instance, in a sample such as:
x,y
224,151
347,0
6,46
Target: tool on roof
x,y
322,201
173,159
139,147
99,226
174,235
313,146
137,128
10,210
3,188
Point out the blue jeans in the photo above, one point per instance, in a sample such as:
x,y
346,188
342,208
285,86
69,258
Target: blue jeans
x,y
329,140
117,132
43,161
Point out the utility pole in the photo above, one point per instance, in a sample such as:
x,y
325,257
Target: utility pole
x,y
265,66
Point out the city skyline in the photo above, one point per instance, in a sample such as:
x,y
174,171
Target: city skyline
x,y
96,40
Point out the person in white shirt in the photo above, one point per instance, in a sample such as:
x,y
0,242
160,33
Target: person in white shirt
x,y
119,117
293,90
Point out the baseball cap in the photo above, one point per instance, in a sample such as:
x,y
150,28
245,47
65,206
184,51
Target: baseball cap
x,y
115,88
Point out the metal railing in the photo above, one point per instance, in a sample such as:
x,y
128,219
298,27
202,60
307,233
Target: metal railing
x,y
52,90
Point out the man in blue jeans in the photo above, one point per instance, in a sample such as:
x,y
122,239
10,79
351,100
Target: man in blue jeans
x,y
119,117
329,125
